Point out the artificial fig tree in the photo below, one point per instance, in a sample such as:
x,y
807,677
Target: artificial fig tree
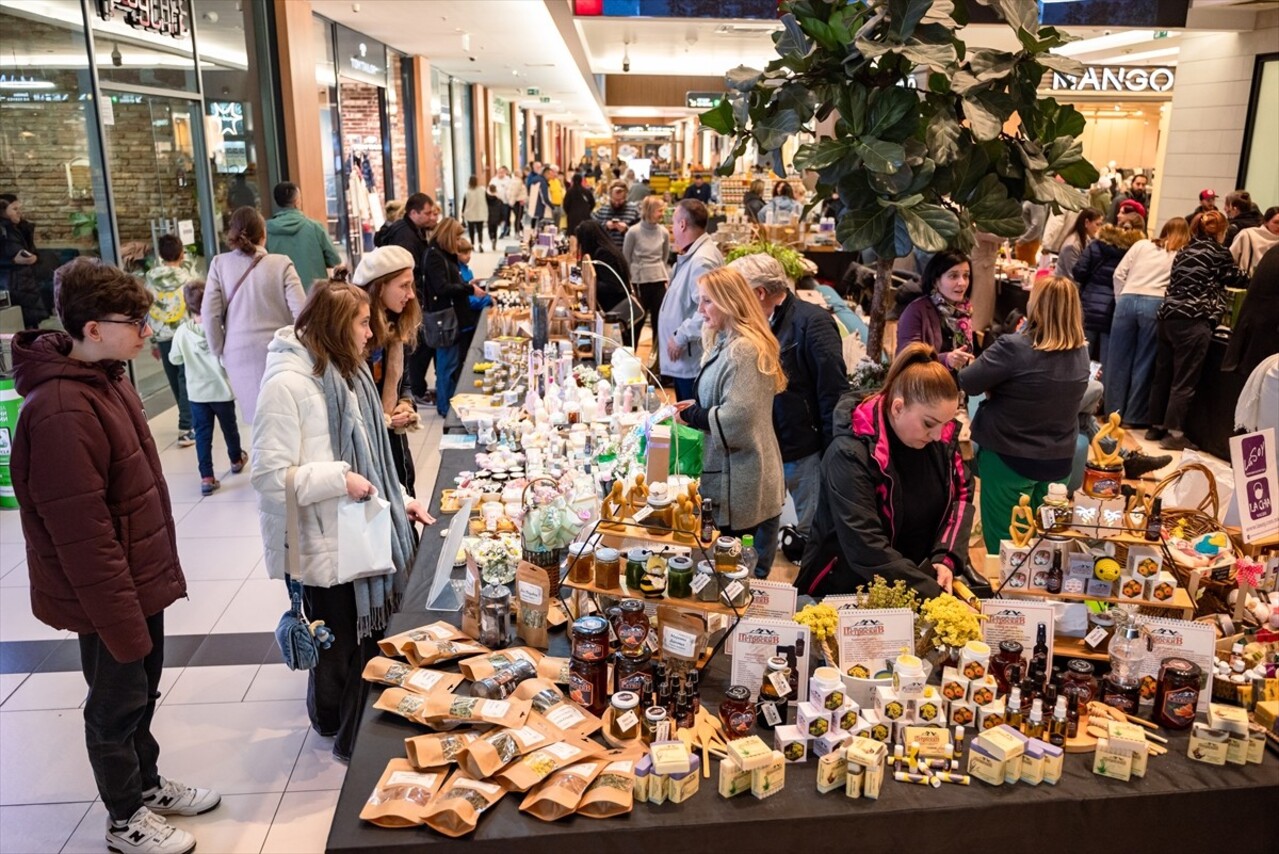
x,y
930,142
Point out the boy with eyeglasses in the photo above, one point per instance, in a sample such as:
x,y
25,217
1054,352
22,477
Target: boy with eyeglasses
x,y
102,552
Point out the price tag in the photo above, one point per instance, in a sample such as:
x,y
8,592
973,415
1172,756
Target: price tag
x,y
700,580
780,683
642,514
771,716
530,594
627,721
732,591
1095,637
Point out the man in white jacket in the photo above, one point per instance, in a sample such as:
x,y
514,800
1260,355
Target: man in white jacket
x,y
680,324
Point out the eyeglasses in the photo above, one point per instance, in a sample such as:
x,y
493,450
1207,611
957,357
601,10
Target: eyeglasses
x,y
139,324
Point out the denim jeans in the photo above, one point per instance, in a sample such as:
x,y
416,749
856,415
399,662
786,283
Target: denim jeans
x,y
117,720
202,414
1134,340
804,483
177,378
765,534
446,361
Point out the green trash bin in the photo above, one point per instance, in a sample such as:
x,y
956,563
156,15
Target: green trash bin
x,y
10,402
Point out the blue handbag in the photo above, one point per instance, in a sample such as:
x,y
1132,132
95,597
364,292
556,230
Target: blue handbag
x,y
300,640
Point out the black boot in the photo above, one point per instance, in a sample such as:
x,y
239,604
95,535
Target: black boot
x,y
1137,464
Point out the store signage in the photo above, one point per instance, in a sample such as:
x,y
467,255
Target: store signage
x,y
1115,78
229,116
165,17
532,91
1252,456
361,58
702,100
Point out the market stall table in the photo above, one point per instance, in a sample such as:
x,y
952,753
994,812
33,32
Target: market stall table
x,y
1180,804
466,382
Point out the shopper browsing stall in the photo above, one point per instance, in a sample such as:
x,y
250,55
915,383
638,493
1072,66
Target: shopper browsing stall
x,y
612,274
646,248
896,494
446,291
1251,244
942,316
1194,301
320,418
1095,274
680,324
1028,425
1083,231
741,373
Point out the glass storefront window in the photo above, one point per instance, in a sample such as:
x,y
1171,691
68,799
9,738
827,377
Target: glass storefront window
x,y
326,82
49,153
463,145
144,55
397,106
442,136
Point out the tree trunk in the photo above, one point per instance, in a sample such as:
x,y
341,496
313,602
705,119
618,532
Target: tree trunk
x,y
879,308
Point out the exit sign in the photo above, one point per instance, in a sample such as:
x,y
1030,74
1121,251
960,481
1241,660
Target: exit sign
x,y
532,91
545,99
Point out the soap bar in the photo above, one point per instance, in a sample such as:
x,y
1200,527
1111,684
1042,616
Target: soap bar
x,y
1111,763
771,778
832,771
669,757
1032,764
1053,761
732,779
984,767
1208,745
681,787
1232,719
643,773
750,752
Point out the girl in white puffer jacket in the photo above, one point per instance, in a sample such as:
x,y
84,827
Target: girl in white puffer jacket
x,y
319,413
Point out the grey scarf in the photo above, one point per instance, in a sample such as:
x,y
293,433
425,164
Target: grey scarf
x,y
366,448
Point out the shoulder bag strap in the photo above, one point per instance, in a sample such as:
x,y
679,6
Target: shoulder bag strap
x,y
230,296
292,539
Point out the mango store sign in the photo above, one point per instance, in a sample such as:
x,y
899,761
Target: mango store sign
x,y
1115,78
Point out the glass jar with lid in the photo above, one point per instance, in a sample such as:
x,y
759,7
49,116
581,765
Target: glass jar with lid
x,y
624,722
608,568
1177,693
679,577
705,583
588,667
1079,679
737,588
636,568
1009,654
654,719
727,551
634,673
737,712
632,626
581,563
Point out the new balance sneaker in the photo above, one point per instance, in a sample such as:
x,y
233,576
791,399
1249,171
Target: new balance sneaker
x,y
186,439
148,833
173,798
238,465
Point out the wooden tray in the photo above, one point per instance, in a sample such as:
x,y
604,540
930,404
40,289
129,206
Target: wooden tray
x,y
1083,742
612,740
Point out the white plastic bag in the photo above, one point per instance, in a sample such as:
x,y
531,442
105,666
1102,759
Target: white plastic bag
x,y
1192,488
364,538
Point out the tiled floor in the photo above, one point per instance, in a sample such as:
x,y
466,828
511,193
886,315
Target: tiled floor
x,y
240,728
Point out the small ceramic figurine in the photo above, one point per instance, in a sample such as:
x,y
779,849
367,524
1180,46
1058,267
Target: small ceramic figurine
x,y
613,507
685,519
1111,429
1022,526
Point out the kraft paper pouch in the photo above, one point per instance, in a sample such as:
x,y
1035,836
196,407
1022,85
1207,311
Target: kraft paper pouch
x,y
613,791
554,669
559,794
471,598
442,708
682,636
549,701
437,631
533,768
533,593
484,666
402,796
388,671
485,756
430,751
460,803
426,653
406,704
557,616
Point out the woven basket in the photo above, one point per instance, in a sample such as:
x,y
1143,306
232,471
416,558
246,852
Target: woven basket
x,y
1211,597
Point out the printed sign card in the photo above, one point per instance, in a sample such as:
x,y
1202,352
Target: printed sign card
x,y
1256,484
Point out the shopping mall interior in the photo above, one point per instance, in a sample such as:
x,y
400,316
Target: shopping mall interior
x,y
123,121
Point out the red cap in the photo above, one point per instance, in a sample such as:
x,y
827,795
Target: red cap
x,y
1130,205
1207,194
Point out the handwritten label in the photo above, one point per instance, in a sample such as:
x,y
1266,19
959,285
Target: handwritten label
x,y
683,644
628,721
700,581
530,594
411,778
780,683
1095,637
771,715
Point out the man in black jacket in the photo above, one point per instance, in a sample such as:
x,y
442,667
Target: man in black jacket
x,y
816,377
413,233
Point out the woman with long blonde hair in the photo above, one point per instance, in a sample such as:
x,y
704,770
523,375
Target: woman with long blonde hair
x,y
733,404
1034,381
1140,281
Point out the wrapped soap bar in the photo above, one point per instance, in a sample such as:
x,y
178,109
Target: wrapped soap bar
x,y
768,780
832,772
681,787
750,752
732,779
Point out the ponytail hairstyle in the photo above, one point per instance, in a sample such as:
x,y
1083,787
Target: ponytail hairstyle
x,y
1212,224
918,376
325,326
1175,234
246,230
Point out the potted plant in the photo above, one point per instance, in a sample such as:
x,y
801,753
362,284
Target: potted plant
x,y
925,140
792,260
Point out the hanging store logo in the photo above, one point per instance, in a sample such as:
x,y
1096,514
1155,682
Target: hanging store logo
x,y
165,17
230,117
359,63
1115,78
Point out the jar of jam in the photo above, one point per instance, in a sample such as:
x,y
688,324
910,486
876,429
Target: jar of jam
x,y
1079,679
661,511
679,577
608,569
632,626
588,668
728,551
1177,693
581,563
634,673
737,712
706,584
624,724
636,568
1008,655
655,720
737,588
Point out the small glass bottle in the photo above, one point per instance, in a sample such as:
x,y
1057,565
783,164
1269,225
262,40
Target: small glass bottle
x,y
1012,712
624,724
607,569
708,522
683,709
1035,724
737,712
1155,522
1039,655
1055,575
495,616
1072,715
773,705
654,719
1058,727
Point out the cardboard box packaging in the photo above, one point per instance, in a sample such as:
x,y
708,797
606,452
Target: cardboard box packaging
x,y
770,779
954,685
832,772
1144,562
1232,719
1100,589
845,720
1207,744
933,740
750,753
1256,744
962,713
812,720
990,715
984,766
929,708
889,704
1054,758
982,691
831,742
1115,764
792,743
1131,589
732,779
1013,561
1032,763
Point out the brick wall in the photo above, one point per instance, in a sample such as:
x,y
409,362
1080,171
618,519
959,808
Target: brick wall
x,y
362,129
152,172
399,138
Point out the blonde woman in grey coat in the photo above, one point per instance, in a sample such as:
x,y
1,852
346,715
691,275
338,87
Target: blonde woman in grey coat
x,y
248,295
733,404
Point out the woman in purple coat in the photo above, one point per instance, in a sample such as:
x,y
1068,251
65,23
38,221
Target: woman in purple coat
x,y
942,316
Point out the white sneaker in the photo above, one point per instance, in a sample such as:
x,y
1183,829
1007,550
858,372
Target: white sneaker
x,y
174,798
148,833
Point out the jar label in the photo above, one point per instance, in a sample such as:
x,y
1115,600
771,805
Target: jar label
x,y
779,682
637,682
701,580
581,690
530,593
426,679
733,591
771,716
680,643
741,722
628,721
1180,705
1095,637
633,636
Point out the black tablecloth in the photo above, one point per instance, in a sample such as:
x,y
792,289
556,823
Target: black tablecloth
x,y
1211,420
831,266
1180,805
466,383
1009,295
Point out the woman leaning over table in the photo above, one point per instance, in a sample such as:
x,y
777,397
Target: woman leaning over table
x,y
733,404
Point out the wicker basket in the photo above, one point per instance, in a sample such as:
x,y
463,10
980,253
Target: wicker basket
x,y
1211,596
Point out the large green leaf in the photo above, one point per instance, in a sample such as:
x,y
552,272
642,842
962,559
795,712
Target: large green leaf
x,y
943,135
822,33
881,155
798,97
923,179
873,48
992,210
1049,120
1031,154
985,124
1023,14
862,229
990,65
888,107
1064,64
772,131
742,79
791,41
938,57
826,152
1044,189
930,227
1081,174
719,118
905,15
892,184
940,12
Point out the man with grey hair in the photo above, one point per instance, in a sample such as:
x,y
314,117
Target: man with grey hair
x,y
679,325
803,414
